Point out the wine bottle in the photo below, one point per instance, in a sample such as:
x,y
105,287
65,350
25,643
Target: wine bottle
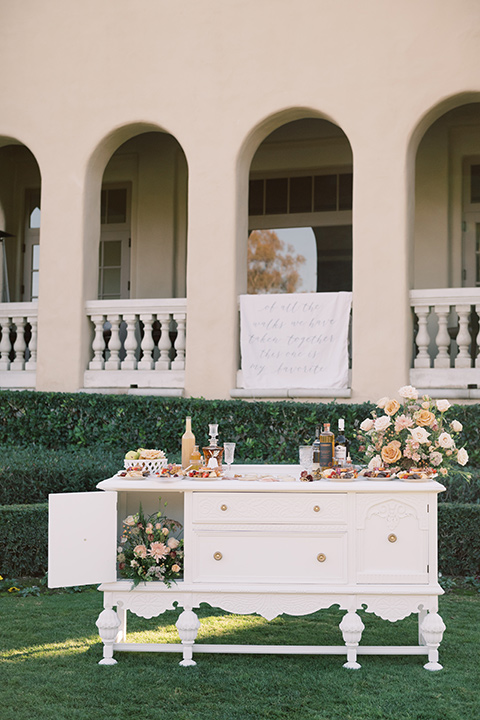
x,y
327,447
341,445
316,450
188,443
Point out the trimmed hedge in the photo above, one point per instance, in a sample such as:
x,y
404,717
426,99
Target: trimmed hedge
x,y
458,537
23,540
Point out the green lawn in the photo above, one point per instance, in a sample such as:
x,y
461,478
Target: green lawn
x,y
49,650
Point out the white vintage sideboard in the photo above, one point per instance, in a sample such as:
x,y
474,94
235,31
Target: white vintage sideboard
x,y
262,547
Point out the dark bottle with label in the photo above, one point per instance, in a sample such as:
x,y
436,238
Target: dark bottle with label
x,y
316,450
327,447
341,445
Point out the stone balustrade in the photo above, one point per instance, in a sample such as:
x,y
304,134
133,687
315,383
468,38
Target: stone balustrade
x,y
18,344
446,338
137,344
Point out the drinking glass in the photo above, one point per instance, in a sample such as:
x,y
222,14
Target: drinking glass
x,y
305,455
228,455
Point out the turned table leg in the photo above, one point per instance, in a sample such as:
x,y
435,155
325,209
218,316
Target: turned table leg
x,y
432,630
187,626
352,628
108,623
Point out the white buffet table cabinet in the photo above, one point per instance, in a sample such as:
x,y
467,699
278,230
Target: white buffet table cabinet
x,y
262,547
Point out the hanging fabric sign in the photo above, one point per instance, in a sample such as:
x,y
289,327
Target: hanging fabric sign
x,y
295,340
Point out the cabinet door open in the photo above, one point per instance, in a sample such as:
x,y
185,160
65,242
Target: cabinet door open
x,y
82,538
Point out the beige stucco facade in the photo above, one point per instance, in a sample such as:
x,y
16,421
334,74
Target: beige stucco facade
x,y
181,103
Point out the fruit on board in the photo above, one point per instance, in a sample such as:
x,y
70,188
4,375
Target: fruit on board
x,y
132,455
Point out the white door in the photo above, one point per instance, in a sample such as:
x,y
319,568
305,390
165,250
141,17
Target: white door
x,y
82,538
114,251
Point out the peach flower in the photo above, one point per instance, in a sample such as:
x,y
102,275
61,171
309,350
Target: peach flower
x,y
175,568
391,453
402,422
391,407
158,550
140,550
172,543
424,418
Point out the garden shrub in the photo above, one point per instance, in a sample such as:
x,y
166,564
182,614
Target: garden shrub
x,y
459,539
23,540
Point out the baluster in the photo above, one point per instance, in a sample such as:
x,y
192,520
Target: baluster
x,y
179,345
164,344
98,344
114,344
5,345
463,359
19,346
32,345
443,338
130,362
147,345
477,359
422,340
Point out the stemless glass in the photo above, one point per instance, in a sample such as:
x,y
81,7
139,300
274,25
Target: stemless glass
x,y
228,455
305,456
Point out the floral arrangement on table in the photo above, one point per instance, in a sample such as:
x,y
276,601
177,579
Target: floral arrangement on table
x,y
411,433
149,549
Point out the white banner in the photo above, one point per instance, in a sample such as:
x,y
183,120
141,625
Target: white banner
x,y
295,340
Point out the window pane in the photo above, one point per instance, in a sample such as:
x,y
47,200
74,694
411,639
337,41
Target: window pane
x,y
325,193
334,256
111,282
36,257
475,183
255,197
103,207
345,188
300,194
276,196
117,205
112,253
35,279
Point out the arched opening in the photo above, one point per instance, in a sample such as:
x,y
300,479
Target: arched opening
x,y
143,220
300,210
20,191
446,250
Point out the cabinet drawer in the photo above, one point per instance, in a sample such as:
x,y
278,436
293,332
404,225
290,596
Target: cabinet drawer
x,y
260,508
262,557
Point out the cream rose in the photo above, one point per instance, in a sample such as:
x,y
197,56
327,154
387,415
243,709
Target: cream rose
x,y
175,568
445,440
408,392
443,405
382,402
420,435
462,457
391,407
130,521
391,453
140,550
436,458
172,543
456,426
375,462
424,418
382,423
366,425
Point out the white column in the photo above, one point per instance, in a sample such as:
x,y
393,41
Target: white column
x,y
164,344
98,344
5,345
32,345
19,346
179,362
130,361
463,359
422,340
443,338
147,345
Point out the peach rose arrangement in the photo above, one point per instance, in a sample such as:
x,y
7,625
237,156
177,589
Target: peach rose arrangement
x,y
411,433
149,549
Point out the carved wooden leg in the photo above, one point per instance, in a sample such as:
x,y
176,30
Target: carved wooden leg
x,y
422,614
432,630
352,628
108,623
187,626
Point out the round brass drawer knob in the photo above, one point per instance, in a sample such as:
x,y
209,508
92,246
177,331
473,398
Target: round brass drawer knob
x,y
316,508
321,557
392,538
217,555
223,507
